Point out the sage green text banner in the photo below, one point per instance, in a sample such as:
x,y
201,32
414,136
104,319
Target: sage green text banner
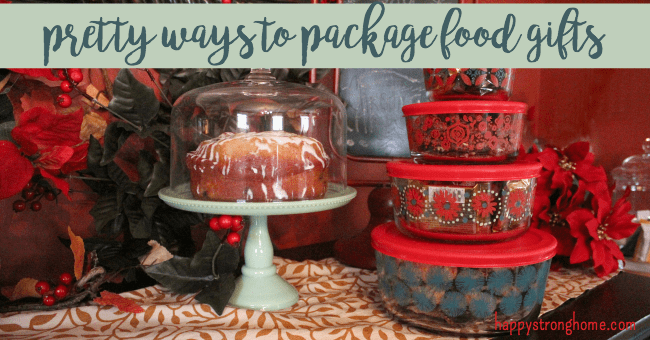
x,y
325,36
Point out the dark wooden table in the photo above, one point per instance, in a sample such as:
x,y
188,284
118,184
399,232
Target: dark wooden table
x,y
621,300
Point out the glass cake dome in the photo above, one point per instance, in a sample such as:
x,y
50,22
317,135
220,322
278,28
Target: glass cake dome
x,y
258,140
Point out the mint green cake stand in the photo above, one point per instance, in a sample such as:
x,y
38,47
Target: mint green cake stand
x,y
259,287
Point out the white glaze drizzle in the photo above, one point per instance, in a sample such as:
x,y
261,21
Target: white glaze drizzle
x,y
278,191
262,141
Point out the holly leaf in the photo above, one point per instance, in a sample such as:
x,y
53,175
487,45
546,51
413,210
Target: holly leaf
x,y
159,179
226,262
176,275
115,132
172,227
122,303
115,255
121,179
149,206
218,293
77,247
202,260
105,210
133,100
94,158
145,168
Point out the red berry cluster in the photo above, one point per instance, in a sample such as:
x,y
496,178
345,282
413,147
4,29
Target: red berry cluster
x,y
32,194
223,222
60,292
71,77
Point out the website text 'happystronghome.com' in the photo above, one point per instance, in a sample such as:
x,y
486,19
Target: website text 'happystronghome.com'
x,y
569,326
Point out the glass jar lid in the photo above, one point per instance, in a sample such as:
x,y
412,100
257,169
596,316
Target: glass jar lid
x,y
635,170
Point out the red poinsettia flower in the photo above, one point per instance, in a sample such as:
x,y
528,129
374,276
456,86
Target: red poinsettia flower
x,y
49,142
40,129
595,231
445,205
517,203
414,201
15,170
35,72
575,160
484,204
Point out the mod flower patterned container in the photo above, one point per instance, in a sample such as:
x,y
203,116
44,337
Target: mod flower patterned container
x,y
465,131
468,83
463,289
463,203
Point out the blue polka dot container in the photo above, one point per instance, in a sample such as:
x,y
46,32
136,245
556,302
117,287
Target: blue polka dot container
x,y
463,203
467,289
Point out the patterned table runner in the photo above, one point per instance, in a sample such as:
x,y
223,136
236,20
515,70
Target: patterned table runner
x,y
336,302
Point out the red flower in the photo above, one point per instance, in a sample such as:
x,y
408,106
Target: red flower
x,y
414,201
575,160
52,143
484,204
444,203
595,231
15,170
517,203
40,129
35,72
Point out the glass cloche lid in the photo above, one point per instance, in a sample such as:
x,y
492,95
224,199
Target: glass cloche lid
x,y
634,174
635,170
258,140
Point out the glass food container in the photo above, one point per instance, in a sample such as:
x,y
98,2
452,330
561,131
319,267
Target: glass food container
x,y
468,83
258,140
463,203
634,174
465,131
460,288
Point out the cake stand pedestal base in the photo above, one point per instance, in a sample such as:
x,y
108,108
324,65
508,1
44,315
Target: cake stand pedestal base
x,y
260,287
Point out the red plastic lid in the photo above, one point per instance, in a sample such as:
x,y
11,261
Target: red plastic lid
x,y
464,106
534,246
480,172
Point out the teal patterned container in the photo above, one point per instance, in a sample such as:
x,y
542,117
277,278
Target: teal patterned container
x,y
462,288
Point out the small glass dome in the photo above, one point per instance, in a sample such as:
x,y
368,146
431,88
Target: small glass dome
x,y
258,140
634,174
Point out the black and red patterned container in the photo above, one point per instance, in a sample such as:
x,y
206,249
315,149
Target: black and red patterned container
x,y
468,83
463,203
465,131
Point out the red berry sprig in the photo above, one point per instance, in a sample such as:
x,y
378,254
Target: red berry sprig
x,y
70,78
225,222
61,291
32,194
